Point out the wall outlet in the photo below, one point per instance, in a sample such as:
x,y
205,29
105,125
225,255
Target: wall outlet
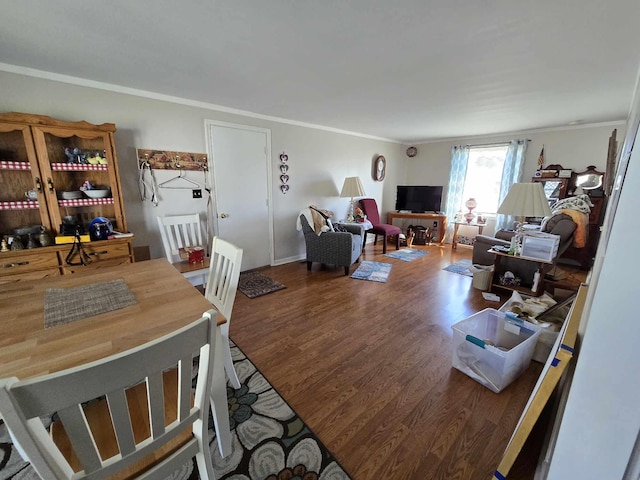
x,y
197,193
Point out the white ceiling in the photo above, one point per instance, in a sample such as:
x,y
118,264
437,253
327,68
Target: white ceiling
x,y
406,70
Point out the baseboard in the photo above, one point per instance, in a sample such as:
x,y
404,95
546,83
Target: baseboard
x,y
283,261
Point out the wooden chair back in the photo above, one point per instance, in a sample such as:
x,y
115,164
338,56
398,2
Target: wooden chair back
x,y
69,392
179,231
370,209
224,273
221,288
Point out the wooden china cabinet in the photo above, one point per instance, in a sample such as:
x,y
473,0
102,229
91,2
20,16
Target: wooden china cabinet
x,y
36,154
584,256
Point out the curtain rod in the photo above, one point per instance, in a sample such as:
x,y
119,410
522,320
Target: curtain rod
x,y
494,144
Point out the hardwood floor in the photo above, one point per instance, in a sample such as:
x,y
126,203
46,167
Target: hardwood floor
x,y
368,366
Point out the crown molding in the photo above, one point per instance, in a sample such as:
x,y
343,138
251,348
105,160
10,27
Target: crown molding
x,y
83,82
110,87
473,138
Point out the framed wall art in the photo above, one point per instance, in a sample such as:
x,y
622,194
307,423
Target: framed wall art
x,y
379,168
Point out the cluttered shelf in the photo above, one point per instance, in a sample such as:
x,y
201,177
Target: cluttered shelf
x,y
504,279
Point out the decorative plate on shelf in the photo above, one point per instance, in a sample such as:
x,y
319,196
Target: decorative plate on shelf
x,y
71,195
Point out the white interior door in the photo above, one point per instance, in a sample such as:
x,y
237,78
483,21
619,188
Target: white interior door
x,y
240,159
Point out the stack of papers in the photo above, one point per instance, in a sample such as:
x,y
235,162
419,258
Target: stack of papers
x,y
491,297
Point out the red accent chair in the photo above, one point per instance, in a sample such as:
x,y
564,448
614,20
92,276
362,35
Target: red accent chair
x,y
370,209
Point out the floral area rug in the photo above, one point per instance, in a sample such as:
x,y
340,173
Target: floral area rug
x,y
373,271
270,441
255,284
461,267
407,254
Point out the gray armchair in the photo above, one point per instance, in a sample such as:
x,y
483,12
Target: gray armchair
x,y
332,248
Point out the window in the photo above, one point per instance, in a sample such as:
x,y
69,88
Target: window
x,y
482,180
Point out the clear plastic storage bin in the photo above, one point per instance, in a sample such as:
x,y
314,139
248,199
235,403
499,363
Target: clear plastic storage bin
x,y
493,349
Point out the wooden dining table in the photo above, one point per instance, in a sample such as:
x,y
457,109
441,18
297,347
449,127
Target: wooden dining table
x,y
166,301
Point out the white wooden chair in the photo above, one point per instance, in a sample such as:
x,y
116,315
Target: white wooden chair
x,y
22,403
222,285
179,231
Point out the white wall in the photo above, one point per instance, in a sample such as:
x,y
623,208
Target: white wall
x,y
319,160
601,420
574,148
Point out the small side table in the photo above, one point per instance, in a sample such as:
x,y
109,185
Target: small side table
x,y
454,241
366,225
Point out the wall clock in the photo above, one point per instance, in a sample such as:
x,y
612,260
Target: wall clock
x,y
379,168
412,152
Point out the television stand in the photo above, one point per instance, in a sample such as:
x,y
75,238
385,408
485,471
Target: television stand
x,y
441,219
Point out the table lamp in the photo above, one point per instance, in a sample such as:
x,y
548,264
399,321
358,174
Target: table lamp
x,y
352,187
525,200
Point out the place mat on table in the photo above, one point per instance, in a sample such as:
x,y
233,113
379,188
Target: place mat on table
x,y
64,305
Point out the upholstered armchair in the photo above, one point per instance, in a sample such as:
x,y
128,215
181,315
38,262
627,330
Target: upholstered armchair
x,y
559,224
332,248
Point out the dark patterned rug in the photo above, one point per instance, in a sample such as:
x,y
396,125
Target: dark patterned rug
x,y
255,284
270,441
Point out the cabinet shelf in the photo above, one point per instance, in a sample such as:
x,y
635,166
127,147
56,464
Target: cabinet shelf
x,y
75,167
19,205
85,202
10,165
517,288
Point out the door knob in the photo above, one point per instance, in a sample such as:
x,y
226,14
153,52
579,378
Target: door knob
x,y
224,215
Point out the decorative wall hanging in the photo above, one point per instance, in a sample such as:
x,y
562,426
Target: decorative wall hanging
x,y
379,168
284,168
166,160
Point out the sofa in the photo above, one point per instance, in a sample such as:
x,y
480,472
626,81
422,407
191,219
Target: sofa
x,y
559,224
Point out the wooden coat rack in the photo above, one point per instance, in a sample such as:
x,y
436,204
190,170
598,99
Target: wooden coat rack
x,y
166,160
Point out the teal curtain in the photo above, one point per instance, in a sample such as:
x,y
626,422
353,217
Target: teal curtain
x,y
511,173
459,159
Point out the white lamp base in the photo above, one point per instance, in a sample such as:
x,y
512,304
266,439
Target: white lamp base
x,y
351,217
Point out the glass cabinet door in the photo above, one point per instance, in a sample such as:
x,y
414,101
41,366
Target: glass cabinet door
x,y
23,205
79,176
554,188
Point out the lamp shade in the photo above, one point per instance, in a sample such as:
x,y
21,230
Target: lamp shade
x,y
352,187
525,200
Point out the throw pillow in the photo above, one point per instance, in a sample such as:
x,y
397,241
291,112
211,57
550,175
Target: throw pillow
x,y
322,223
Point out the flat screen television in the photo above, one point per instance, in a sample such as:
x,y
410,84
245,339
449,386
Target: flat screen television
x,y
419,198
